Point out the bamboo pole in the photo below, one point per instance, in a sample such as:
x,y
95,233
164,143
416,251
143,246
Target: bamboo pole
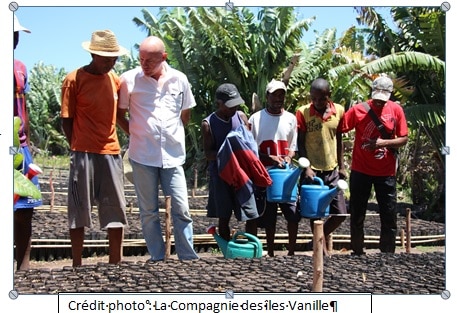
x,y
408,230
167,227
203,239
318,256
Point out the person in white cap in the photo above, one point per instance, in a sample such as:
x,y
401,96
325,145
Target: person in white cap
x,y
275,131
377,137
89,114
23,207
321,143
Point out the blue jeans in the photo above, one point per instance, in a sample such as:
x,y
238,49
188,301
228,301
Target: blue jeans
x,y
173,182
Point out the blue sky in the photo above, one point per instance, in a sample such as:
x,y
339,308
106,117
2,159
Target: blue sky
x,y
57,32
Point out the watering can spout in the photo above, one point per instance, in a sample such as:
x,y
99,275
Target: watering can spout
x,y
327,196
221,242
303,162
291,181
315,199
295,174
285,180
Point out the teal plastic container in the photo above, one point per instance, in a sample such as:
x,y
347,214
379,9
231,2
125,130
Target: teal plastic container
x,y
244,245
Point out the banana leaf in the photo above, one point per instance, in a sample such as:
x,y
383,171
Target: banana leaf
x,y
24,187
17,159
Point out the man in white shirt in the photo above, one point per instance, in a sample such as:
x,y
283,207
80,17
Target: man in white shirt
x,y
275,131
158,99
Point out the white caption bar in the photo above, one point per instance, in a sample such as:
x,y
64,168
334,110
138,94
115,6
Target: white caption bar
x,y
215,302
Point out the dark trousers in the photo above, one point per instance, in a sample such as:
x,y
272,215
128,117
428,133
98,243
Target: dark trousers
x,y
23,237
386,195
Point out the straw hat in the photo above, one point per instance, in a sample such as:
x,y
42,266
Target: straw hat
x,y
104,43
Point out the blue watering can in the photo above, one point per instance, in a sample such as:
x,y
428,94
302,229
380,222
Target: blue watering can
x,y
242,245
315,199
285,180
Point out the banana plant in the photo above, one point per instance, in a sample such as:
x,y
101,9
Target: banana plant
x,y
23,186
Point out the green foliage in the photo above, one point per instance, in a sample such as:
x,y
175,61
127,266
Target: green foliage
x,y
215,251
315,61
44,104
126,62
422,29
380,40
54,161
422,174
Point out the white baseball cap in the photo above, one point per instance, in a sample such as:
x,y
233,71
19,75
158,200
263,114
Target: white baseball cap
x,y
275,85
382,88
17,26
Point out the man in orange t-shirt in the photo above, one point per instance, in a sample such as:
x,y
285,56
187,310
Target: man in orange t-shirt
x,y
89,112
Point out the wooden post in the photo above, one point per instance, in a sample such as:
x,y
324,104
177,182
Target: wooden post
x,y
131,206
167,227
329,244
402,238
318,255
195,182
408,230
51,188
